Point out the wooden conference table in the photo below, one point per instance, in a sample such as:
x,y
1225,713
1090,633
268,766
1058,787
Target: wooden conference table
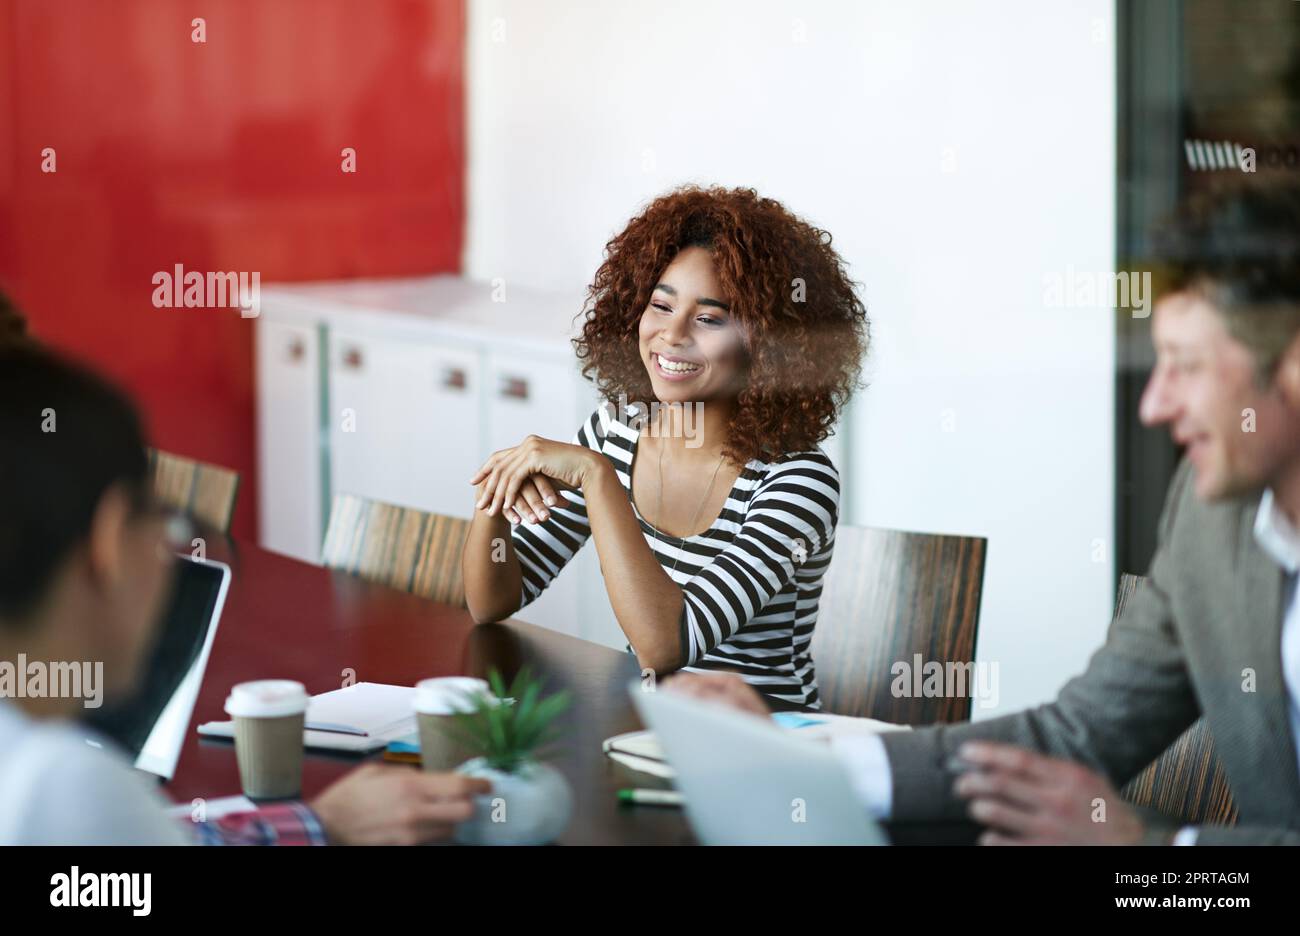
x,y
286,619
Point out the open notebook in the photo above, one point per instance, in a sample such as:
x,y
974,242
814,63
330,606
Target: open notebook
x,y
361,717
640,750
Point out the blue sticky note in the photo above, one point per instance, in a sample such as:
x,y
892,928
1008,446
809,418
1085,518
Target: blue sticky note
x,y
795,720
410,744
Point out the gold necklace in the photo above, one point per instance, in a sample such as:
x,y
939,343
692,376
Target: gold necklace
x,y
659,508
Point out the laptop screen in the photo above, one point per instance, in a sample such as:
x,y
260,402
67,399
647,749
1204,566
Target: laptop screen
x,y
151,724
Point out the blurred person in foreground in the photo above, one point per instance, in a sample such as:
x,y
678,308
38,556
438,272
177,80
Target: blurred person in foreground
x,y
84,574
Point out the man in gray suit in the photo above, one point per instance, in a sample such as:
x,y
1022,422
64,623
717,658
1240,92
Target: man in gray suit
x,y
1216,631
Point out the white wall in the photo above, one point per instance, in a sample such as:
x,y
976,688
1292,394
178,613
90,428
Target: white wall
x,y
957,151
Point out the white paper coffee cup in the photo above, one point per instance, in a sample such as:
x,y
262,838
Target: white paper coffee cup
x,y
437,702
269,716
447,695
267,698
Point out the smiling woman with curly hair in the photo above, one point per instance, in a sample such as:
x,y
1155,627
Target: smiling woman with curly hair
x,y
725,337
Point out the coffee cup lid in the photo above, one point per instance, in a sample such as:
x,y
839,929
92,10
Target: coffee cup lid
x,y
448,695
267,698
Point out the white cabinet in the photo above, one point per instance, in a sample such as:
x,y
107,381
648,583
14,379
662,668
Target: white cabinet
x,y
404,421
530,396
397,391
288,438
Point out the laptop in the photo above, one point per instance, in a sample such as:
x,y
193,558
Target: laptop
x,y
151,725
750,782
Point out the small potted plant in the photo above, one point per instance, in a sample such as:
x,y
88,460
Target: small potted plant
x,y
530,802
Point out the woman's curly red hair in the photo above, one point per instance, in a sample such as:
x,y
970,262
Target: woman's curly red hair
x,y
806,329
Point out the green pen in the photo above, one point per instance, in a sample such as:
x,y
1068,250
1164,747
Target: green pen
x,y
650,797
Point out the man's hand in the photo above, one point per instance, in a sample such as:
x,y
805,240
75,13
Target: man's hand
x,y
724,688
390,805
1028,799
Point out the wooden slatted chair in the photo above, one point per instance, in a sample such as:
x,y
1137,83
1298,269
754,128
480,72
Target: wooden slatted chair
x,y
1187,781
888,596
400,547
202,491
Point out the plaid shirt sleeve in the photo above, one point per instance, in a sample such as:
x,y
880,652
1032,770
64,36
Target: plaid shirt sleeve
x,y
277,824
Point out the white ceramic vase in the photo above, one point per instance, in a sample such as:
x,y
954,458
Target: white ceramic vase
x,y
530,806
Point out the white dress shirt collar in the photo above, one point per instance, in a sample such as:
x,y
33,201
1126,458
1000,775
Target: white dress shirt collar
x,y
1276,534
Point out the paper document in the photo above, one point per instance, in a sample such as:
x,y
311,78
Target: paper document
x,y
361,717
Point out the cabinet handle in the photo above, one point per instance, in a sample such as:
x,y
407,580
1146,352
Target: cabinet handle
x,y
454,378
352,358
296,350
514,388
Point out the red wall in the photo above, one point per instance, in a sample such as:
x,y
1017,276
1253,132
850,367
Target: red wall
x,y
222,156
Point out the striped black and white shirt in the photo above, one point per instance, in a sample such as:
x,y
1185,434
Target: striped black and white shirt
x,y
751,581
